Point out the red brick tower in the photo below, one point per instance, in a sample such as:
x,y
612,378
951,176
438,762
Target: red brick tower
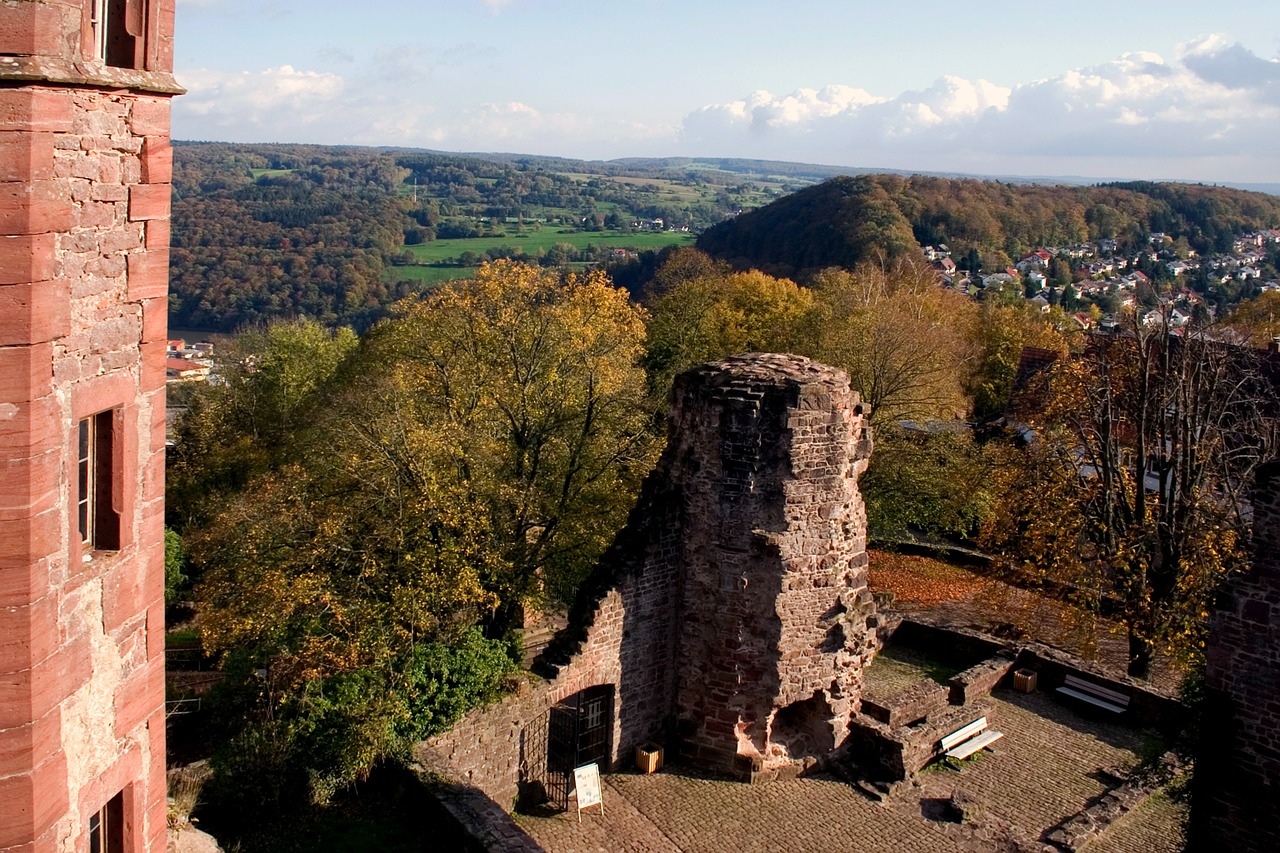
x,y
84,234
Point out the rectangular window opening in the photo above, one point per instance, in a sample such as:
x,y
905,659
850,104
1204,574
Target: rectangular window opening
x,y
106,827
118,28
98,521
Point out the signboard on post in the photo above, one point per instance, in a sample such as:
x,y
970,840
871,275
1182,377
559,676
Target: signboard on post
x,y
586,781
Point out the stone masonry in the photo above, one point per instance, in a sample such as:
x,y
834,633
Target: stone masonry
x,y
84,234
773,628
730,617
1237,779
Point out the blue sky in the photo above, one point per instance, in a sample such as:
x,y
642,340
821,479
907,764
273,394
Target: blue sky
x,y
1127,88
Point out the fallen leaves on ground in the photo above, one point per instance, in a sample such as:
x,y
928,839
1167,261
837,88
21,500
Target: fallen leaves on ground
x,y
920,580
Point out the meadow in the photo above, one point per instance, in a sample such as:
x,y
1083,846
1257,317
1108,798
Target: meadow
x,y
530,241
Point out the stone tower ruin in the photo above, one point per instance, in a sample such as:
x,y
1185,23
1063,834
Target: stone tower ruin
x,y
85,167
773,637
730,620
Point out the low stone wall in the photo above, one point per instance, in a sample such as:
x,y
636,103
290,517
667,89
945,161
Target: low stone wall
x,y
978,681
486,824
952,646
913,704
1148,707
893,754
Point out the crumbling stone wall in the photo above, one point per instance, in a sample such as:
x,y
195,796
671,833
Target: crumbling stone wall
x,y
731,615
1237,778
774,632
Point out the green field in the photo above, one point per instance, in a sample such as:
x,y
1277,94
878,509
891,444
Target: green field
x,y
444,251
270,173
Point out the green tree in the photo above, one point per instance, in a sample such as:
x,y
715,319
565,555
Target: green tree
x,y
236,427
708,317
475,454
929,478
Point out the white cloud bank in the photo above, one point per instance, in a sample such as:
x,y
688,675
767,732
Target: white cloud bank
x,y
1211,113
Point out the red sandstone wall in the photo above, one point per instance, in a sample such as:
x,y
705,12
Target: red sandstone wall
x,y
84,200
774,561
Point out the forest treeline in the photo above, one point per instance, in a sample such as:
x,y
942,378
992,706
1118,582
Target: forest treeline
x,y
262,232
845,220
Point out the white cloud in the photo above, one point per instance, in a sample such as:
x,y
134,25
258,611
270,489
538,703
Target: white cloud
x,y
388,102
1213,113
272,96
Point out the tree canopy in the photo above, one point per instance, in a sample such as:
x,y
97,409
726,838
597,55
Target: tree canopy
x,y
473,454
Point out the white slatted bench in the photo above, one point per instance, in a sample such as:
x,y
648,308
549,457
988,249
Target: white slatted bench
x,y
1094,694
965,741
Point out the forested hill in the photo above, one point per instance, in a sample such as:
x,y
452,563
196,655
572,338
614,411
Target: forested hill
x,y
847,219
338,233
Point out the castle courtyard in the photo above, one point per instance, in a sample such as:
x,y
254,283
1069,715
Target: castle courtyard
x,y
1050,765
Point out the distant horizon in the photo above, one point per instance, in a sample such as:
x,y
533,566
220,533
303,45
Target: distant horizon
x,y
1174,90
1269,188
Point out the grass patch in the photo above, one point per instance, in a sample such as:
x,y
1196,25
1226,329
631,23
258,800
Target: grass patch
x,y
269,173
182,638
441,251
430,274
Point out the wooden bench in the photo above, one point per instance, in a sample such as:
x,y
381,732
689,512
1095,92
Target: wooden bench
x,y
1094,694
967,740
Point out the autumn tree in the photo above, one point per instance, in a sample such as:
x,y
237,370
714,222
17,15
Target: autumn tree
x,y
710,316
1257,320
476,453
930,478
905,341
236,428
1000,336
537,382
1145,443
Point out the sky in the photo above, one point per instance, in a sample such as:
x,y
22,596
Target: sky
x,y
1129,89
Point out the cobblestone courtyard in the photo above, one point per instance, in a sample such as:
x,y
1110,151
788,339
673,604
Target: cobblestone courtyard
x,y
1049,765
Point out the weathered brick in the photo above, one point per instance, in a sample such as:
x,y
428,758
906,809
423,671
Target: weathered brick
x,y
36,110
158,231
28,29
34,207
32,802
26,372
157,160
149,201
150,117
148,275
26,258
26,156
34,313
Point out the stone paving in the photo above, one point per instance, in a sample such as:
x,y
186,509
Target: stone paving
x,y
1048,766
1156,826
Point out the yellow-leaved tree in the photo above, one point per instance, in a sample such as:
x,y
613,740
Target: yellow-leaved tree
x,y
476,453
